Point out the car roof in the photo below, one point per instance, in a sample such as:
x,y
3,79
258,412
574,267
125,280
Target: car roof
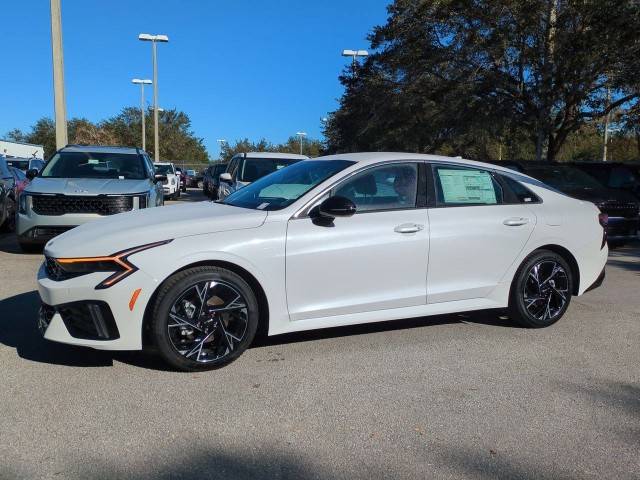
x,y
274,155
375,157
100,149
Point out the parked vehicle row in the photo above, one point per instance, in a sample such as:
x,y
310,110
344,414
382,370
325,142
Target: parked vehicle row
x,y
331,241
614,196
244,168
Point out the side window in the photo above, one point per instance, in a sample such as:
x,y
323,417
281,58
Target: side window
x,y
515,192
621,177
388,187
460,186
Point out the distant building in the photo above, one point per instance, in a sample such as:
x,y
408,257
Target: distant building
x,y
9,148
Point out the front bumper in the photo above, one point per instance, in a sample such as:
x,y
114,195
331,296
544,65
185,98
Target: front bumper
x,y
38,229
125,333
169,189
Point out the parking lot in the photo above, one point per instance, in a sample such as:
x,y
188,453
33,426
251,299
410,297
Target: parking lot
x,y
455,396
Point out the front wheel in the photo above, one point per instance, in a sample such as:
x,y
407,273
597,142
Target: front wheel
x,y
204,318
541,290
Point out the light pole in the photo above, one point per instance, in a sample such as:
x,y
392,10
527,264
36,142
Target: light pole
x,y
301,135
58,75
354,54
145,37
142,83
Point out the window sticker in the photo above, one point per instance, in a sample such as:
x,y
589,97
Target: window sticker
x,y
467,186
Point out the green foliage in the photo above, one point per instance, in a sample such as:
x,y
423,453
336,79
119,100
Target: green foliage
x,y
467,76
177,141
310,147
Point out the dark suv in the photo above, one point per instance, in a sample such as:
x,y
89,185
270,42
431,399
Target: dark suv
x,y
620,206
615,175
211,179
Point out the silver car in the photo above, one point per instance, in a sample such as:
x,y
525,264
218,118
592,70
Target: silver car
x,y
82,183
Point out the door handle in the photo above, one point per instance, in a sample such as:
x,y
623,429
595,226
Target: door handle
x,y
408,228
515,221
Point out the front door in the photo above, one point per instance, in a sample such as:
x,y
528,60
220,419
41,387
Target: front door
x,y
374,260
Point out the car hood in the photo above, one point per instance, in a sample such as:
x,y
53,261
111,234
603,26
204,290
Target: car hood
x,y
87,186
119,232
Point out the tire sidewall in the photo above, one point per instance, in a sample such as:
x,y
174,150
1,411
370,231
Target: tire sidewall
x,y
186,279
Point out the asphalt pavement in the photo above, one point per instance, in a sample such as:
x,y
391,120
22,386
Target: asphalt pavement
x,y
454,396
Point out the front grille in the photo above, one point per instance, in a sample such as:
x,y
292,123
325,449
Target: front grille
x,y
62,204
620,209
45,233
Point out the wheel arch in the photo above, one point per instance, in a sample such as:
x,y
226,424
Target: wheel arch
x,y
263,303
569,258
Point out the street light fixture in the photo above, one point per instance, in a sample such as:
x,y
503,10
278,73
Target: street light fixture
x,y
301,135
142,83
146,37
354,54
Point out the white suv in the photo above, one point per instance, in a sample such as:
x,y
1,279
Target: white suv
x,y
171,186
245,168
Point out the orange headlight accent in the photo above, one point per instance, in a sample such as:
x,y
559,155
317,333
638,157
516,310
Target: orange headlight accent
x,y
121,266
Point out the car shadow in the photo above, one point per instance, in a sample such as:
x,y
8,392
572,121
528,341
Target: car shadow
x,y
9,244
18,330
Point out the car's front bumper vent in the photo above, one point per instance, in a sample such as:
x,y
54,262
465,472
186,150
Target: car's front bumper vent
x,y
88,320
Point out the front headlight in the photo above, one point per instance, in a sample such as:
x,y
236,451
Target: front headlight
x,y
173,181
118,263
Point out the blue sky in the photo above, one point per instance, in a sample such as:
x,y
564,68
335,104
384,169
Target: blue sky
x,y
239,68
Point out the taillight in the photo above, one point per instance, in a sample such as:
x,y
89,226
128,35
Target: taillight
x,y
603,219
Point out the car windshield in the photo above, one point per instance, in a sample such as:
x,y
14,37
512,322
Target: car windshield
x,y
163,169
255,168
125,166
21,164
283,187
563,177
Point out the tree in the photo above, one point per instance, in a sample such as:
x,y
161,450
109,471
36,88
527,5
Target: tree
x,y
177,141
534,70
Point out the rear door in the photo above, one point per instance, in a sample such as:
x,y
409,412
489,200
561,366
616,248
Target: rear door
x,y
476,233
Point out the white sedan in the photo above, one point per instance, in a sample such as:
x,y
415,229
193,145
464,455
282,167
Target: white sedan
x,y
337,240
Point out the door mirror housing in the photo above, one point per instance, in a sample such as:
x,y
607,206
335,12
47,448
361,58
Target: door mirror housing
x,y
225,177
32,173
336,206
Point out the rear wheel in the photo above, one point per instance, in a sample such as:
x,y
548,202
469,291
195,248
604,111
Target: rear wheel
x,y
541,290
204,318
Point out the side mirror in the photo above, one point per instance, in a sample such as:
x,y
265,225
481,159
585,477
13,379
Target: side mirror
x,y
32,173
159,178
225,177
336,207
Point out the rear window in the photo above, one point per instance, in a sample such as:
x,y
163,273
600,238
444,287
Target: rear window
x,y
255,168
21,164
95,165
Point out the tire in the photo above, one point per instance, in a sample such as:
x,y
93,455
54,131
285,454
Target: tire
x,y
540,298
178,193
189,341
